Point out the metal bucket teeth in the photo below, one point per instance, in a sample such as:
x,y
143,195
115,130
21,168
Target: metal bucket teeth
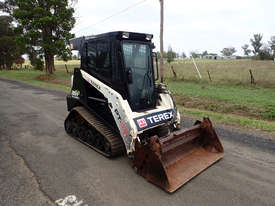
x,y
171,161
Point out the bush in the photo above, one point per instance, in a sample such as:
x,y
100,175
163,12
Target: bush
x,y
37,64
265,55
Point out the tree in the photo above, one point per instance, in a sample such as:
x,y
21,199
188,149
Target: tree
x,y
44,26
204,53
19,61
256,43
183,55
229,51
194,54
246,51
74,57
171,55
9,50
265,52
272,45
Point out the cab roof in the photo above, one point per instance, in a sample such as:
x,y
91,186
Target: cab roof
x,y
77,43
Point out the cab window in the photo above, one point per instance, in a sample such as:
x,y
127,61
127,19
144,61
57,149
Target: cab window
x,y
103,55
91,55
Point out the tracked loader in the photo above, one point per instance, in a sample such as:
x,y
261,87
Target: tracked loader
x,y
116,106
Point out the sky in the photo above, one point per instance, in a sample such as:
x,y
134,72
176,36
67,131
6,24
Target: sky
x,y
195,25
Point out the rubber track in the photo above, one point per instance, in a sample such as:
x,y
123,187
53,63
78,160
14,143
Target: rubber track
x,y
116,142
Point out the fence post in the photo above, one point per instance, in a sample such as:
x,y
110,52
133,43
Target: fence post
x,y
174,73
66,68
252,80
209,76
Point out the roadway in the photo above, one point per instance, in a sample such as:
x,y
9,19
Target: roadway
x,y
40,163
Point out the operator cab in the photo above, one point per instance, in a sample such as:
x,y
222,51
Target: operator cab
x,y
124,62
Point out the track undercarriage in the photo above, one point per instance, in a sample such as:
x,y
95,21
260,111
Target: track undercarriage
x,y
90,130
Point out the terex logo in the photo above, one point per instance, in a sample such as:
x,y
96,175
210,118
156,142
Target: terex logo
x,y
151,120
160,117
142,123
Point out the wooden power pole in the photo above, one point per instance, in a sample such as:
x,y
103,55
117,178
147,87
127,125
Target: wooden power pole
x,y
161,42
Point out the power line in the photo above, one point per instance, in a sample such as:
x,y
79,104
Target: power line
x,y
115,14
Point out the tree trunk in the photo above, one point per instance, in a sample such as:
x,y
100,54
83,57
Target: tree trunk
x,y
161,42
49,56
49,60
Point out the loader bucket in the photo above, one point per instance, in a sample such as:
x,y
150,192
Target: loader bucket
x,y
173,160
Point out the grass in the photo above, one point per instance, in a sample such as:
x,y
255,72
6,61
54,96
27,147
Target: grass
x,y
232,72
230,119
59,80
31,76
229,98
248,101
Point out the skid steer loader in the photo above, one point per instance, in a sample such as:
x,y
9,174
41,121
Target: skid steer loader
x,y
116,106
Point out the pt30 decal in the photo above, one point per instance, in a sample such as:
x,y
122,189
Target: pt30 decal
x,y
122,125
154,119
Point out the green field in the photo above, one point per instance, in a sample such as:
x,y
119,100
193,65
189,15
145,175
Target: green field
x,y
232,72
229,98
258,103
32,77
